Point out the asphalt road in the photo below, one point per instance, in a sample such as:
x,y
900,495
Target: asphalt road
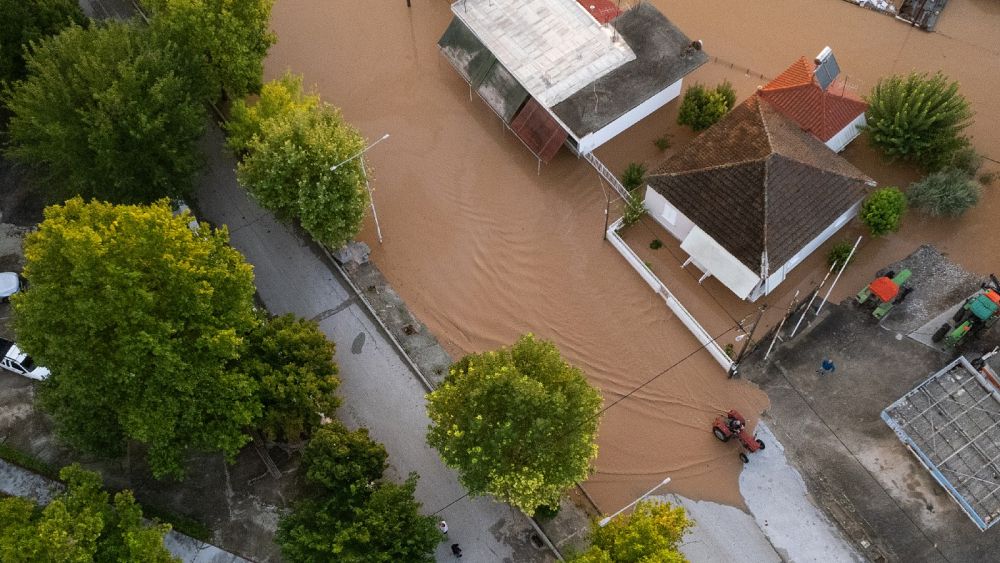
x,y
378,389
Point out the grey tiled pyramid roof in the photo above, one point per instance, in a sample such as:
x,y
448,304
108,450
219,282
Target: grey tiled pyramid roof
x,y
759,185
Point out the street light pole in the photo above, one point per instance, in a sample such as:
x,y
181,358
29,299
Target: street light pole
x,y
371,196
604,521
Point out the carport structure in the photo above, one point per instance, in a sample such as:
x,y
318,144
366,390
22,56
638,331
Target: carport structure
x,y
951,423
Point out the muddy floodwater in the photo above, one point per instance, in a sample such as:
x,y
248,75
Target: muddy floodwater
x,y
483,246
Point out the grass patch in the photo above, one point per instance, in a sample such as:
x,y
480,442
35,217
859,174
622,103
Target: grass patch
x,y
28,461
184,524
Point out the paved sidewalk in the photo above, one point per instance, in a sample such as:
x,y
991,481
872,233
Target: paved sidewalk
x,y
379,390
17,481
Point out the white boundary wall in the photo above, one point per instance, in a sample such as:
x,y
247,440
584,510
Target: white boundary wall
x,y
840,141
673,304
593,140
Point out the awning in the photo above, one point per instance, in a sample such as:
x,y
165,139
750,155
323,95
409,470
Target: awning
x,y
712,259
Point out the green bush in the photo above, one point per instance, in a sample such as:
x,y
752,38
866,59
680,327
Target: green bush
x,y
839,253
967,160
919,118
662,142
702,107
728,92
883,211
948,192
634,176
635,208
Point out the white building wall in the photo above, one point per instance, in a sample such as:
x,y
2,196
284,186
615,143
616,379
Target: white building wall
x,y
781,273
590,142
840,141
675,222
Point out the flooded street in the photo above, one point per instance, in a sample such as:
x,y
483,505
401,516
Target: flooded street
x,y
483,246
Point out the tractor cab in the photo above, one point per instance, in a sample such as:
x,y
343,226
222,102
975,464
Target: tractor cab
x,y
885,292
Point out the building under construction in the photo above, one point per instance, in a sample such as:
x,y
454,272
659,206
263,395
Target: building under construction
x,y
951,423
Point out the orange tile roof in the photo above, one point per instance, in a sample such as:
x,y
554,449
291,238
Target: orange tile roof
x,y
821,112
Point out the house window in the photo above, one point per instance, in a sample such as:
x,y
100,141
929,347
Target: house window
x,y
669,214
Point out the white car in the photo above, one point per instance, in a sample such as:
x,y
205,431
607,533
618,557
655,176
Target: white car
x,y
16,361
10,283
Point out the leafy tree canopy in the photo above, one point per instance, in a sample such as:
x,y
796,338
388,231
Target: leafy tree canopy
x,y
79,525
277,98
138,317
650,533
25,21
703,107
288,171
387,527
223,41
883,211
949,191
344,464
104,113
919,118
292,363
517,423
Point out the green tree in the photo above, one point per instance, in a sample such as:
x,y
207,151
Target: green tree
x,y
288,171
919,118
224,41
702,107
104,114
385,527
634,176
277,98
517,423
138,317
79,525
882,211
343,464
25,21
347,516
651,533
950,191
292,362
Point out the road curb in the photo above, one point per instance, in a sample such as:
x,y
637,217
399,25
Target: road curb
x,y
371,310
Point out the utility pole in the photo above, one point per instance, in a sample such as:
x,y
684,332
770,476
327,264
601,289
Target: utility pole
x,y
734,370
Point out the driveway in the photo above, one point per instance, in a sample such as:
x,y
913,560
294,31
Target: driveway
x,y
378,389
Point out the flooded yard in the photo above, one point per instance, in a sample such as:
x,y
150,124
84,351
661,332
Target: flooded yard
x,y
483,245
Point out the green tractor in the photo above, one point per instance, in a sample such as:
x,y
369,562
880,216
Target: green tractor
x,y
885,292
979,312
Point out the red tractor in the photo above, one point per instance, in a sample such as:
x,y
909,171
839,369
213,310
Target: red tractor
x,y
733,424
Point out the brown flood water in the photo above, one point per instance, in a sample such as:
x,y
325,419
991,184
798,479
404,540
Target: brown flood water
x,y
483,248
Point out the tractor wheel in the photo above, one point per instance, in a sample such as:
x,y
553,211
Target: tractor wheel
x,y
720,435
744,458
959,315
940,333
760,443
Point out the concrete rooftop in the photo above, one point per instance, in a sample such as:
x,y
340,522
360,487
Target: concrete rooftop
x,y
553,47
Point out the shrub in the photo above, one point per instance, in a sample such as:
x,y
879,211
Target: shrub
x,y
634,176
635,208
839,253
883,211
662,142
967,160
948,192
918,118
656,244
986,178
728,92
702,107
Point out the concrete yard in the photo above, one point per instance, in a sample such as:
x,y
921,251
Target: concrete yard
x,y
853,464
